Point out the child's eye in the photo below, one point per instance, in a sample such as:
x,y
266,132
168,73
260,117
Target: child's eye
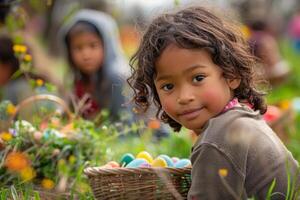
x,y
167,87
198,78
95,45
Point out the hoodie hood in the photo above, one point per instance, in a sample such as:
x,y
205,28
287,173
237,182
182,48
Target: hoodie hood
x,y
114,61
114,70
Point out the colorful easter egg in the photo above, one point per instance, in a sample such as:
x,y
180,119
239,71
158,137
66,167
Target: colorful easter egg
x,y
145,155
159,162
168,160
175,159
126,158
145,165
106,166
136,163
183,163
113,164
37,135
51,133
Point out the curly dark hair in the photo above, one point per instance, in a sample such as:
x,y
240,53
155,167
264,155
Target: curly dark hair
x,y
194,28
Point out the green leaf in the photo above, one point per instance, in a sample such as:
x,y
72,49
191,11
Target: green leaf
x,y
271,189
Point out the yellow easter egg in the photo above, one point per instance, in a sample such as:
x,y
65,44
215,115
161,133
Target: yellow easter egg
x,y
159,162
147,156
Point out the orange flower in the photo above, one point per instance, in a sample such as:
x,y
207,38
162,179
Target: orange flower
x,y
6,136
154,124
47,184
16,161
27,174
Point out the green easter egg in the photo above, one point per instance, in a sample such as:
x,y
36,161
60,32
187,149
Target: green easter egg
x,y
126,158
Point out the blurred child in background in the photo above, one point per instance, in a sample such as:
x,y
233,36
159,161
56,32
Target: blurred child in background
x,y
95,56
265,47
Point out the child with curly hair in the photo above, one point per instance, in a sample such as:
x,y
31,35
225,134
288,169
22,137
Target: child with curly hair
x,y
199,72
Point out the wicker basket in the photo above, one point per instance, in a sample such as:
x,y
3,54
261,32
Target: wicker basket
x,y
139,183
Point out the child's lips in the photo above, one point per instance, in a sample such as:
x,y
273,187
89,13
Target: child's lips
x,y
190,113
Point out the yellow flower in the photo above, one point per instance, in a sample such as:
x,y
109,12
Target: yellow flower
x,y
284,105
72,159
47,184
16,48
27,174
223,172
11,109
6,136
23,48
39,82
16,161
19,48
27,58
245,31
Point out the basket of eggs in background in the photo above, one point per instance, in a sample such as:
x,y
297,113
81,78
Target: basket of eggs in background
x,y
141,177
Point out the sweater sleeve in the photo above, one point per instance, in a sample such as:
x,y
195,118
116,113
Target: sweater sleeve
x,y
214,176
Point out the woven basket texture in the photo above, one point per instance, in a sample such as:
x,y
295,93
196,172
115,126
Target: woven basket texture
x,y
139,183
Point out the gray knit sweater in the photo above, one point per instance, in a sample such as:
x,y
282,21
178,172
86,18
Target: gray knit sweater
x,y
240,143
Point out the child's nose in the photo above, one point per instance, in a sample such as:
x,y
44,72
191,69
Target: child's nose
x,y
185,96
86,53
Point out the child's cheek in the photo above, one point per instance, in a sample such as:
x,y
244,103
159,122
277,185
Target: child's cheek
x,y
168,106
211,97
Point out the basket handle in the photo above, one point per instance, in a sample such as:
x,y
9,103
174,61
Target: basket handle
x,y
49,97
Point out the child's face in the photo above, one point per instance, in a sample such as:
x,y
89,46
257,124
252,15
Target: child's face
x,y
191,88
87,52
5,73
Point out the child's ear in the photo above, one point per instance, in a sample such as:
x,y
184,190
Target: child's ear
x,y
233,83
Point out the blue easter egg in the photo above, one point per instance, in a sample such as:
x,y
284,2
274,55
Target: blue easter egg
x,y
126,158
136,163
51,133
168,160
183,163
